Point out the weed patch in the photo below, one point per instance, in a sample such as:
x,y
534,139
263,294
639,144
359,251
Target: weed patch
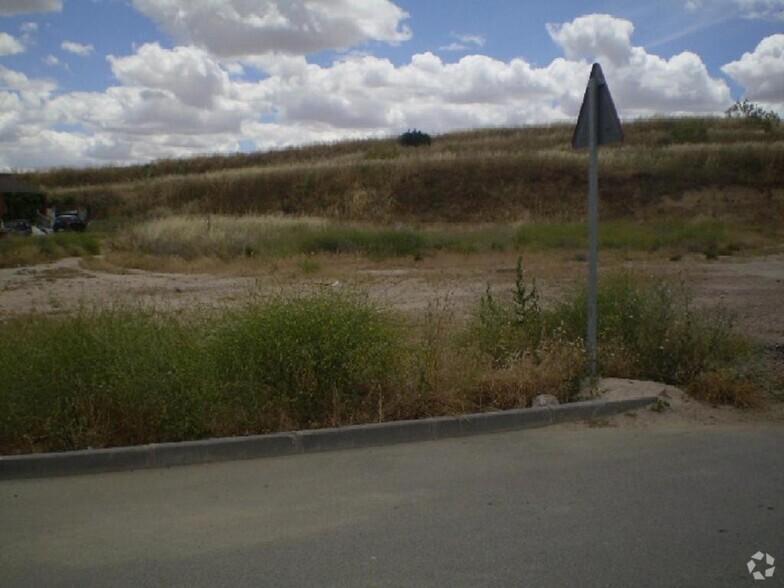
x,y
15,251
320,360
647,329
127,376
694,236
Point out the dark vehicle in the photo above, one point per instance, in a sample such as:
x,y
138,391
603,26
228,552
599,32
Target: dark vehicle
x,y
68,222
18,227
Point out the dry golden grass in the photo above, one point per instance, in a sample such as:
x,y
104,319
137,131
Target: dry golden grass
x,y
724,386
487,175
217,236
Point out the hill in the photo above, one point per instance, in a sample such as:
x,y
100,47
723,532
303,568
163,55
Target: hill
x,y
680,168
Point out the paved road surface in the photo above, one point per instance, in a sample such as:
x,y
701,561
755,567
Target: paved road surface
x,y
564,506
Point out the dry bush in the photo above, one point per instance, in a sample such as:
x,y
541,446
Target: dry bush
x,y
556,368
724,386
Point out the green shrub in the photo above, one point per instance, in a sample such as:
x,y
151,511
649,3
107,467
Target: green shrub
x,y
119,377
646,329
754,114
507,329
655,327
126,376
320,359
414,138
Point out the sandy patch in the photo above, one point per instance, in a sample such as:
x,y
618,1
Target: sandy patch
x,y
676,408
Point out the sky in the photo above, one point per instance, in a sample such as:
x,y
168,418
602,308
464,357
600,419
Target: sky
x,y
116,82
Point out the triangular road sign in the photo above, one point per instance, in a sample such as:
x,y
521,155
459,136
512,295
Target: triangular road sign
x,y
608,124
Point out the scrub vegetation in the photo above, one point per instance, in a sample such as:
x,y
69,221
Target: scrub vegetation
x,y
270,237
333,356
18,250
129,376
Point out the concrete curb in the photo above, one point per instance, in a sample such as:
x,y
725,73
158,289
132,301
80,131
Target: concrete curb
x,y
161,455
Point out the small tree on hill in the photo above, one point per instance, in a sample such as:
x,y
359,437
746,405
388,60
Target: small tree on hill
x,y
414,139
754,114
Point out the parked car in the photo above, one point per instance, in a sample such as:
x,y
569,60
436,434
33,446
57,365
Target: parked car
x,y
68,222
18,226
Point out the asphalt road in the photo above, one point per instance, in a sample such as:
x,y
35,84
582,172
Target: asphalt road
x,y
563,506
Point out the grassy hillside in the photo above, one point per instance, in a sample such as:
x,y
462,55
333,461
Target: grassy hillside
x,y
664,169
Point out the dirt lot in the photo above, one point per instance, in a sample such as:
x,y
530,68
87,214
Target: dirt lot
x,y
752,287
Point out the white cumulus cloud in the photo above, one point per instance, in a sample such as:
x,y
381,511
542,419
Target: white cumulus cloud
x,y
77,48
9,45
235,28
643,84
761,72
186,72
752,9
595,35
188,100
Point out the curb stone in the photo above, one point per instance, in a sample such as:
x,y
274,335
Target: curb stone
x,y
162,455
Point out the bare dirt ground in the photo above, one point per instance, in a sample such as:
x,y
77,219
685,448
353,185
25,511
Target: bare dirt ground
x,y
751,287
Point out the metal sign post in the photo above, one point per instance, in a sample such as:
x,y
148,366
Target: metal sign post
x,y
598,124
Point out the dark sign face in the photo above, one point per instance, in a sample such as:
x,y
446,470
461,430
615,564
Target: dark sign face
x,y
608,125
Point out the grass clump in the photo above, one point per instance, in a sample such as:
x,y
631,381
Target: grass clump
x,y
218,236
122,375
31,250
526,357
648,329
326,359
375,243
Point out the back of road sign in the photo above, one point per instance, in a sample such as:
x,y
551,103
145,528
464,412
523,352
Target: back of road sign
x,y
609,126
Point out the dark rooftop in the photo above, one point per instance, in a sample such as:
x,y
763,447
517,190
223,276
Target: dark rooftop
x,y
11,185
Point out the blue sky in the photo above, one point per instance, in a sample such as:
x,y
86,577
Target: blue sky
x,y
100,82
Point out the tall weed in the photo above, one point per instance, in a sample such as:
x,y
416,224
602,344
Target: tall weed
x,y
646,329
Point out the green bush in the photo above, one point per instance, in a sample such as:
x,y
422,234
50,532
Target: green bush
x,y
320,359
646,328
118,377
654,327
753,114
122,375
414,139
506,329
